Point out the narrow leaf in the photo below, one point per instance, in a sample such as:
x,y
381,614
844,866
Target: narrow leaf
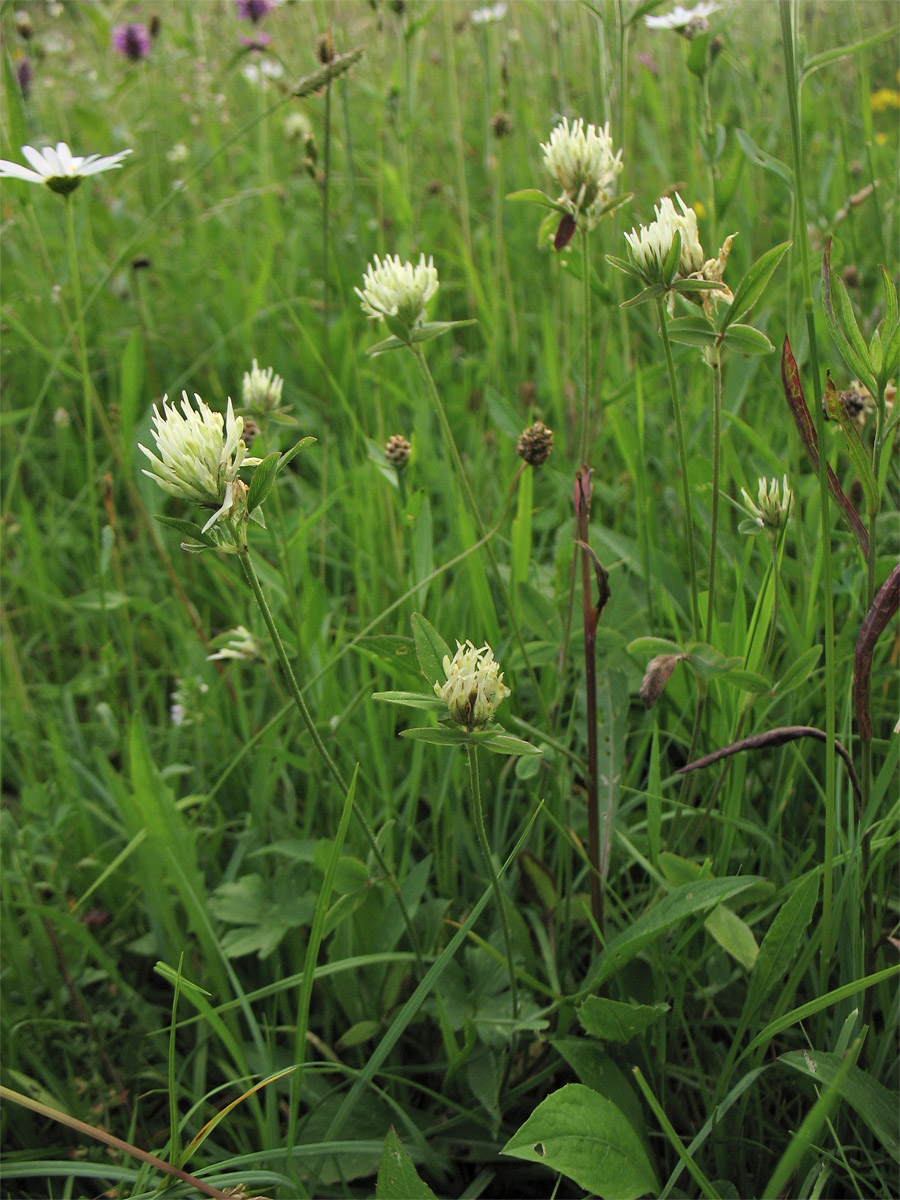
x,y
799,670
438,736
430,648
412,700
781,944
762,159
793,392
294,450
535,196
753,285
842,325
744,339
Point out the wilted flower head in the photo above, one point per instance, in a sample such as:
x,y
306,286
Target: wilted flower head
x,y
535,444
582,161
262,389
649,246
474,688
60,169
689,21
397,289
201,454
132,40
773,504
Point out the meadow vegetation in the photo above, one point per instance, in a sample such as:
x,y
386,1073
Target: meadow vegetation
x,y
279,911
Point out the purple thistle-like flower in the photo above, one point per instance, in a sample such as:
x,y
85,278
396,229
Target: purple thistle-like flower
x,y
257,41
253,10
25,74
132,41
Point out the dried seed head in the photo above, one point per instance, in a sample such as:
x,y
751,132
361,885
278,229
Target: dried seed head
x,y
396,451
501,123
535,444
325,47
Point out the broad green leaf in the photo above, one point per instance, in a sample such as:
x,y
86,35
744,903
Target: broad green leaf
x,y
430,648
891,310
781,944
799,671
412,700
753,285
397,1177
763,159
692,331
876,1104
588,1139
698,55
677,906
263,478
614,1021
358,1034
598,1071
653,645
744,339
707,662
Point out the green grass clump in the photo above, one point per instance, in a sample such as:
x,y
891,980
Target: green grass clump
x,y
248,928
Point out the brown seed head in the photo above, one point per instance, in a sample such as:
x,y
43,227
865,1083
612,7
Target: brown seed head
x,y
535,444
325,47
501,123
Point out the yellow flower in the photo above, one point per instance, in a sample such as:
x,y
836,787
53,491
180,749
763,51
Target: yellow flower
x,y
884,99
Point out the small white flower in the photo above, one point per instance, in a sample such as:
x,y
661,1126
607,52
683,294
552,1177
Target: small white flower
x,y
681,18
185,705
485,16
178,154
60,169
773,504
201,454
238,643
396,289
582,161
650,245
262,388
474,688
259,73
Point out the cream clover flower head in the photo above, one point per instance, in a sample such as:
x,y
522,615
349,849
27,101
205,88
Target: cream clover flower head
x,y
649,246
60,169
773,504
582,161
200,454
262,388
396,289
238,643
474,687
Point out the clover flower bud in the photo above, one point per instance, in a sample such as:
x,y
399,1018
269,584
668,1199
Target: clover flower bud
x,y
773,504
262,388
396,451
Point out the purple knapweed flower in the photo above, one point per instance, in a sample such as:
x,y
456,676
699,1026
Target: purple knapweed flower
x,y
257,41
253,10
132,41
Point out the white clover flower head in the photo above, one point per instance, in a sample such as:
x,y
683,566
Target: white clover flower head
x,y
397,289
59,169
773,503
474,687
238,643
681,18
582,161
649,246
489,14
200,454
262,388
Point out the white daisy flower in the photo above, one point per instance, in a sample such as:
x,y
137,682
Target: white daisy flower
x,y
60,169
582,161
474,687
397,289
201,454
682,18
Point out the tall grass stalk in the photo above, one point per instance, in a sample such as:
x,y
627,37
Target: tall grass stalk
x,y
829,931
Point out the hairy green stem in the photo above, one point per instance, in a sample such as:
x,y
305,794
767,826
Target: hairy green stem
x,y
472,754
330,765
682,455
793,94
714,519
